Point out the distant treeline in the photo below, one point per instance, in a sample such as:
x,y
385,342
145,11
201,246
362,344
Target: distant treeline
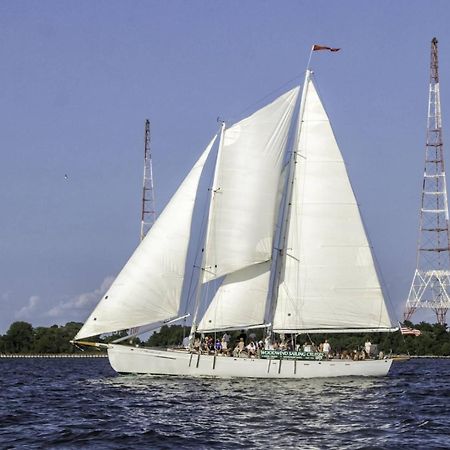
x,y
23,338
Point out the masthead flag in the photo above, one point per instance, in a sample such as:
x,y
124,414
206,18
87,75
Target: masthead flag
x,y
321,47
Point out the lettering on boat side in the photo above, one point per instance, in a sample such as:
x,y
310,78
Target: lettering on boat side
x,y
277,354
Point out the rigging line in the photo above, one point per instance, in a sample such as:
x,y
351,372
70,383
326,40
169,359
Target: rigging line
x,y
202,235
285,207
198,291
310,340
238,115
190,292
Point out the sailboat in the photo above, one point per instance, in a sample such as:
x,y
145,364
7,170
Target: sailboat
x,y
284,245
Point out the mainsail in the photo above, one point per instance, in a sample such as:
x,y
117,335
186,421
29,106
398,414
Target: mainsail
x,y
148,289
244,204
329,282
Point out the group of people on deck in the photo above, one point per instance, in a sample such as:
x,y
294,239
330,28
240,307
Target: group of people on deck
x,y
324,347
251,347
210,346
356,355
223,347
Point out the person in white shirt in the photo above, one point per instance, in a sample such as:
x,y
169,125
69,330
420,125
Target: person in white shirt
x,y
251,349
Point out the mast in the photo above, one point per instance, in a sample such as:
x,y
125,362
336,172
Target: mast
x,y
280,251
430,287
148,212
198,295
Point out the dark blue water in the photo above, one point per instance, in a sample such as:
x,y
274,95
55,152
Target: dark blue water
x,y
81,403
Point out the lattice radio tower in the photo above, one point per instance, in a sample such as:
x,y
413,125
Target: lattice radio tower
x,y
431,283
148,215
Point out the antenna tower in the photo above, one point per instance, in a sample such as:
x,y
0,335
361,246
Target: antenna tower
x,y
148,215
431,283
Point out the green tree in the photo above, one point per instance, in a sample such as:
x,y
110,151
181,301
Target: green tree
x,y
56,339
168,335
45,340
445,349
19,338
2,344
22,338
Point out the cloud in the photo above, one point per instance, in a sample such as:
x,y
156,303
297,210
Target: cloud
x,y
29,311
44,312
78,307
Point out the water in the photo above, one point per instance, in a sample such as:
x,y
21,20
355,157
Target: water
x,y
81,403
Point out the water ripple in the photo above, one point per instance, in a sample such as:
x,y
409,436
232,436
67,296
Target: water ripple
x,y
69,403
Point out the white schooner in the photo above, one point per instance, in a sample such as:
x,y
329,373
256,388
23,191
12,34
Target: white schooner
x,y
284,242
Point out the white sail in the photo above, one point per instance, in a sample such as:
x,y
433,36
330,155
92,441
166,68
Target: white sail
x,y
244,205
330,281
148,289
240,300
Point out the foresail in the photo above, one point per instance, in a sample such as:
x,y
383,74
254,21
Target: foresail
x,y
148,289
330,281
240,300
244,203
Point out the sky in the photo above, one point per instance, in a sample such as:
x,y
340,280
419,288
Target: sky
x,y
78,79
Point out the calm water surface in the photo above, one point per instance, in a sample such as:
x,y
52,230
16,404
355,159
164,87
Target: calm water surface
x,y
81,403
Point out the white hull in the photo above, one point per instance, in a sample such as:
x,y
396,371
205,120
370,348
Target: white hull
x,y
125,359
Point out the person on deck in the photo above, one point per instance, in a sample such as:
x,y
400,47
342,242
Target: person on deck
x,y
268,343
197,344
240,346
326,348
243,335
260,347
224,346
226,337
251,349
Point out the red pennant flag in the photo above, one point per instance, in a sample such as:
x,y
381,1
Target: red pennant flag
x,y
321,47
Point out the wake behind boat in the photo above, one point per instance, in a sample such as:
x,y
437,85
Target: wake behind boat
x,y
284,249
